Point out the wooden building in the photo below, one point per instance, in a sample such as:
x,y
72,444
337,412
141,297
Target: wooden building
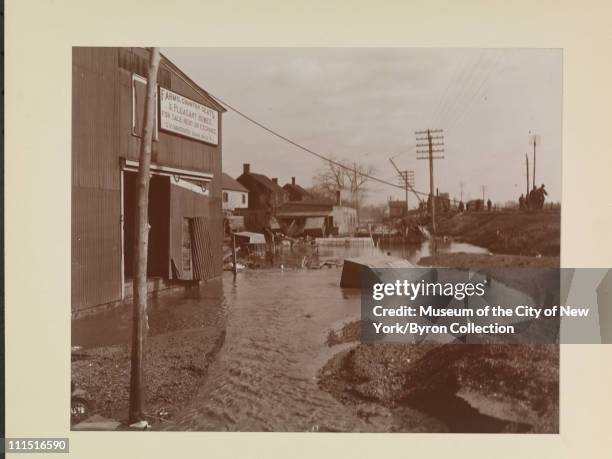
x,y
295,192
264,192
475,205
265,197
235,195
185,217
318,218
397,209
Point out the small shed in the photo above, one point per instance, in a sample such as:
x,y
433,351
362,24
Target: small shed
x,y
253,242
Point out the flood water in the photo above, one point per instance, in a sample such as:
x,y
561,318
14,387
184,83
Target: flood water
x,y
265,376
412,253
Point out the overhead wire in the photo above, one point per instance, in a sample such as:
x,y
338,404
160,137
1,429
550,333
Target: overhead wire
x,y
443,101
494,66
464,82
306,149
443,110
282,137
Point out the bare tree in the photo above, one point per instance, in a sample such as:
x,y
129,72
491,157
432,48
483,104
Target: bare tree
x,y
331,177
343,175
358,178
321,193
141,245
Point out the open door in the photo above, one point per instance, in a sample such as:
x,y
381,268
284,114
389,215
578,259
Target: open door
x,y
159,220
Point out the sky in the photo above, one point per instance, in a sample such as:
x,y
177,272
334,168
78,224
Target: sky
x,y
365,104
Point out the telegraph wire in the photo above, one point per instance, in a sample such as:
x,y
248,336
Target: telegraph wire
x,y
280,136
459,71
306,149
495,66
470,89
464,82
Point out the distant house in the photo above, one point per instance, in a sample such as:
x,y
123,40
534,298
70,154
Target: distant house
x,y
296,192
475,205
265,197
235,195
443,203
318,218
397,209
264,193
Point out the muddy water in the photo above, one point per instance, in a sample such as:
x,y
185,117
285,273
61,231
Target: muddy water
x,y
265,376
412,253
169,312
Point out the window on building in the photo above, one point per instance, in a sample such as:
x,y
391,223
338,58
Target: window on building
x,y
244,199
225,196
139,93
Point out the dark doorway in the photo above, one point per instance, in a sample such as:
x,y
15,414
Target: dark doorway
x,y
159,219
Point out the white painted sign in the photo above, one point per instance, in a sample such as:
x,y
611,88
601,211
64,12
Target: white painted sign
x,y
180,115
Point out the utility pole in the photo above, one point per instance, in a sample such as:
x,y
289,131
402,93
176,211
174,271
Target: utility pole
x,y
141,245
428,154
407,181
527,171
355,191
483,188
534,160
461,187
534,140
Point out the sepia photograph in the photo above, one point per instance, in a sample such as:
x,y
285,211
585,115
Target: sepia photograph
x,y
226,201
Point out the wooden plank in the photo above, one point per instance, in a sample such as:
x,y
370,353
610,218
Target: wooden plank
x,y
202,253
187,250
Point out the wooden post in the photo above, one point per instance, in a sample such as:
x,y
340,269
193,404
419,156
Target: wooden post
x,y
527,166
141,244
428,154
534,159
431,184
406,190
234,253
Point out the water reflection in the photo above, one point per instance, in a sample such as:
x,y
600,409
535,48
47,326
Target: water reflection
x,y
411,252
